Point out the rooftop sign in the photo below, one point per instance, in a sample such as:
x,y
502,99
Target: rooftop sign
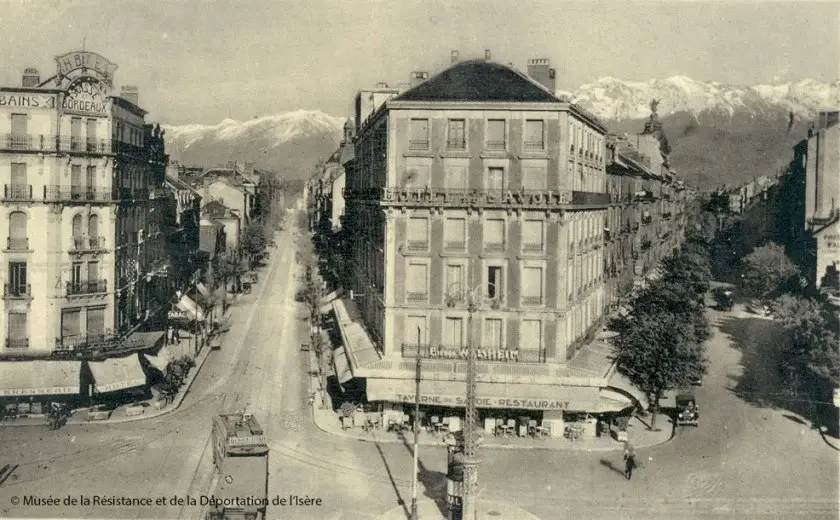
x,y
86,62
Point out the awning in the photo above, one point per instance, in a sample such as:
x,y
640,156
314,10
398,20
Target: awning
x,y
326,303
203,289
190,308
37,377
622,385
161,360
612,401
117,374
342,367
488,395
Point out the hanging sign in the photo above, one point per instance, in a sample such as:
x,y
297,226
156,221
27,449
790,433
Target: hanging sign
x,y
85,97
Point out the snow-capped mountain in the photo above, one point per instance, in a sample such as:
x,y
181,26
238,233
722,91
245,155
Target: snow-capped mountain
x,y
615,100
290,143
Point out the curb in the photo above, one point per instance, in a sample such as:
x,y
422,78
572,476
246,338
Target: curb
x,y
179,399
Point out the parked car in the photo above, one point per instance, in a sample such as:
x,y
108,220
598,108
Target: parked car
x,y
725,299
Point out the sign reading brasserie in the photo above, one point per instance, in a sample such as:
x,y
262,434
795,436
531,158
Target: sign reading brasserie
x,y
488,402
480,353
39,391
10,99
85,96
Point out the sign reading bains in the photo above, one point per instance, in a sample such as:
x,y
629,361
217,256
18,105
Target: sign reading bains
x,y
88,78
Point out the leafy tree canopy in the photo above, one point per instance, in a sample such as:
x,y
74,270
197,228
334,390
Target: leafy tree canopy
x,y
768,270
812,338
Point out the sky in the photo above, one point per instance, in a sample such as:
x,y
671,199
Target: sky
x,y
201,61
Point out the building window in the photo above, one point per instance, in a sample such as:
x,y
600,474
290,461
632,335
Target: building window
x,y
418,234
78,233
531,341
456,178
20,139
18,234
91,136
19,189
17,279
457,137
495,178
90,177
492,337
71,323
18,335
76,134
93,272
496,134
93,231
418,134
455,234
494,235
76,182
453,333
534,135
454,279
76,275
96,322
417,283
495,282
415,330
532,286
532,236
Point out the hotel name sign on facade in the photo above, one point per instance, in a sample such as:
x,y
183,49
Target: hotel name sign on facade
x,y
88,78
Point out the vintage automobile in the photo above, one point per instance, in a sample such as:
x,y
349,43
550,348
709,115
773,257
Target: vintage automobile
x,y
686,410
725,299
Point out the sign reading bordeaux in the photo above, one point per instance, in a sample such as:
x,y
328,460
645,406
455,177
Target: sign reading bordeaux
x,y
84,96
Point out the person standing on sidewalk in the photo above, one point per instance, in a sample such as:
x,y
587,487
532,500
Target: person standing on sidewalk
x,y
629,462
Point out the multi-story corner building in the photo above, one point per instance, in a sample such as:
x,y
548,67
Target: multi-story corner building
x,y
84,259
816,171
480,180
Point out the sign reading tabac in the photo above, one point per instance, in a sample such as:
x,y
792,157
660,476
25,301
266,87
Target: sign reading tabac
x,y
89,61
85,97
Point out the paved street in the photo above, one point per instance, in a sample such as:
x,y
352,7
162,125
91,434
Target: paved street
x,y
742,461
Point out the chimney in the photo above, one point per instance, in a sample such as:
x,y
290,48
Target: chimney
x,y
381,84
540,71
130,93
31,78
486,54
418,77
454,56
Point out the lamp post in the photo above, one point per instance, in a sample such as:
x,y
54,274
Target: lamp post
x,y
473,299
416,429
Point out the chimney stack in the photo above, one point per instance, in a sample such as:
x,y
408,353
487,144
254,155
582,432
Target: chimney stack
x,y
31,78
454,56
486,54
130,93
418,77
540,71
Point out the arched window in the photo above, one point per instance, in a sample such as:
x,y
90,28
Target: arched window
x,y
18,237
77,226
93,226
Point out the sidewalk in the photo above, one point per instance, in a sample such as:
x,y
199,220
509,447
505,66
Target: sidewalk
x,y
121,415
485,510
638,433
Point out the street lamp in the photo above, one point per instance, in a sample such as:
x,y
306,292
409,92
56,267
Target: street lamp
x,y
474,298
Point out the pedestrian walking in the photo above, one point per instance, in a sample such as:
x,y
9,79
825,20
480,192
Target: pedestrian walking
x,y
629,464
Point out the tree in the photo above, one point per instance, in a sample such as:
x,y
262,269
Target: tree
x,y
254,241
690,267
229,268
768,270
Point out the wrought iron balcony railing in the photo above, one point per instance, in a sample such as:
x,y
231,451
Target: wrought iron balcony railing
x,y
456,144
13,291
417,144
494,247
74,144
17,192
495,145
88,243
17,343
86,287
455,245
17,244
416,297
534,145
55,193
29,143
532,247
417,245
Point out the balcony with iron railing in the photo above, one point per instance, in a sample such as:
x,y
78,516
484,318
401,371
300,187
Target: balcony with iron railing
x,y
418,245
78,194
454,143
17,244
416,296
455,245
76,144
29,143
20,192
17,343
122,148
418,144
494,247
534,146
532,247
79,288
88,243
17,291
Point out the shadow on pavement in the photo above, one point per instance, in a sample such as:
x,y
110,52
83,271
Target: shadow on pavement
x,y
400,500
609,464
431,481
761,343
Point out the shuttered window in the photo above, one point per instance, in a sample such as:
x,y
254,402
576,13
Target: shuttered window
x,y
455,234
457,136
17,225
532,285
96,321
418,234
531,341
70,323
453,334
454,279
494,234
417,282
532,235
18,329
492,333
496,134
18,174
419,134
20,125
495,178
534,135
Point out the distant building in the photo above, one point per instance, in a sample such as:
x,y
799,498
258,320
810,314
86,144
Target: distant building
x,y
215,210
